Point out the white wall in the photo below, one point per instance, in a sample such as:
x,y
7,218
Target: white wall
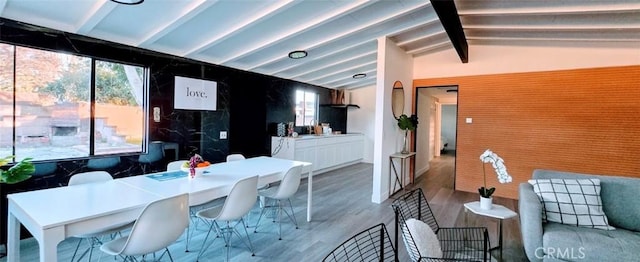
x,y
493,59
449,116
393,64
361,120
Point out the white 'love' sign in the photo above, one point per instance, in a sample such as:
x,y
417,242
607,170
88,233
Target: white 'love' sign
x,y
194,94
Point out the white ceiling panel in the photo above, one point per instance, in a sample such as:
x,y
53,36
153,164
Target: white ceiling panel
x,y
218,22
350,63
339,36
130,22
338,57
260,33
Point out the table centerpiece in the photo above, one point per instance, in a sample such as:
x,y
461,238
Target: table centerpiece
x,y
195,166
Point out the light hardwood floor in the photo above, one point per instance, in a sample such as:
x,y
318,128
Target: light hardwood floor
x,y
342,207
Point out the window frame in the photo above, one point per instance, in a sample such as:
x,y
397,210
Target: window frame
x,y
316,106
146,73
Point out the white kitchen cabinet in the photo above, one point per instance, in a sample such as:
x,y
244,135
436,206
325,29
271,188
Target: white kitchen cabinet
x,y
326,152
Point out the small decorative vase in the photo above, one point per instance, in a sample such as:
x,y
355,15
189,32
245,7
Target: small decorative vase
x,y
486,203
194,172
404,143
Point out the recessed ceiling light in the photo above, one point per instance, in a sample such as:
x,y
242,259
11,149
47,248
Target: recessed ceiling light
x,y
128,2
298,54
359,76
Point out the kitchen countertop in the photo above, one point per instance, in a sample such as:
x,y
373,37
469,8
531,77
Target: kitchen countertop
x,y
324,136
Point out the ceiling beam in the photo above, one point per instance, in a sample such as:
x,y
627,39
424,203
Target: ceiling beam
x,y
337,63
341,35
189,12
319,60
346,80
99,11
430,48
299,29
551,10
448,14
275,9
3,3
339,73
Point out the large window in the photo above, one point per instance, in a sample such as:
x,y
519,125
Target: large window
x,y
306,108
46,103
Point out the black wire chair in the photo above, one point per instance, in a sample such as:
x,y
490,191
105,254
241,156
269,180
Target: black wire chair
x,y
372,244
458,244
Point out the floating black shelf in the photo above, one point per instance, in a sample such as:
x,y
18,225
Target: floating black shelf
x,y
341,105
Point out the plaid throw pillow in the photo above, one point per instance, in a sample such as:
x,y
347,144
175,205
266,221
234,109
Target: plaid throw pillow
x,y
572,201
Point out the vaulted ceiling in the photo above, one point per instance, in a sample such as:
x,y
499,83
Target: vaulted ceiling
x,y
339,36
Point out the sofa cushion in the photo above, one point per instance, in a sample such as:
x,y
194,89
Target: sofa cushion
x,y
570,243
571,201
619,196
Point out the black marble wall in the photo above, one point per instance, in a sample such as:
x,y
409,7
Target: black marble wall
x,y
248,104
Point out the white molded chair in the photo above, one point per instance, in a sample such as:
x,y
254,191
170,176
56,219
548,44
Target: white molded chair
x,y
287,188
235,157
238,203
194,204
175,165
159,225
89,177
93,238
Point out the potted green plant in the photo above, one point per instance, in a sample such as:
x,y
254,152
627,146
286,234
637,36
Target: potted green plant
x,y
19,172
407,124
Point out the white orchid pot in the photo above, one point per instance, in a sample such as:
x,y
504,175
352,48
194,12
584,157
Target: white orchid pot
x,y
486,203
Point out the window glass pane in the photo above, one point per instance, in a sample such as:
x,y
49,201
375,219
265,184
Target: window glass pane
x,y
309,107
119,110
6,100
306,107
52,104
299,108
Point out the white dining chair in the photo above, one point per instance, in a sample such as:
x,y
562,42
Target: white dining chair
x,y
287,188
194,204
94,237
238,203
175,165
235,157
159,225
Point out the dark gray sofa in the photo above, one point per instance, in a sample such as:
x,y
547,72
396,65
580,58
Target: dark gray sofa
x,y
558,242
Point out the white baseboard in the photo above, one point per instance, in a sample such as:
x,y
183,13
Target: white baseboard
x,y
422,170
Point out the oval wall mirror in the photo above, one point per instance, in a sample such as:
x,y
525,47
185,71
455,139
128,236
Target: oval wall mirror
x,y
397,99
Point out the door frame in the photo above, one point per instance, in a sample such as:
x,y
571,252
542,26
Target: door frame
x,y
438,124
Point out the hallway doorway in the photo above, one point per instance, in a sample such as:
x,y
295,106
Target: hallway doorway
x,y
436,108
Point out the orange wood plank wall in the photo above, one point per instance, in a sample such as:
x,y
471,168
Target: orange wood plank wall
x,y
584,120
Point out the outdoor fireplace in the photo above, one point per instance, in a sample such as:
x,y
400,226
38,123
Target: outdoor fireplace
x,y
64,130
65,124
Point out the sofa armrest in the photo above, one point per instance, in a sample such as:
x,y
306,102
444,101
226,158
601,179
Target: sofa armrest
x,y
530,222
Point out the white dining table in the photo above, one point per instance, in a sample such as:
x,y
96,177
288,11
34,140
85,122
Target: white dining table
x,y
52,215
218,179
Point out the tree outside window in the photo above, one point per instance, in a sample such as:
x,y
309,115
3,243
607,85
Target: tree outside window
x,y
53,103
